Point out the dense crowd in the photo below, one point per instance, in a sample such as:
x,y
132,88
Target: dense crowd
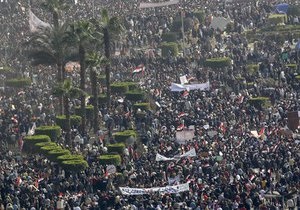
x,y
233,169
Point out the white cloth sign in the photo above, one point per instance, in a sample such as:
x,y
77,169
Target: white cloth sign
x,y
159,4
190,153
162,158
183,136
35,24
183,80
168,189
179,87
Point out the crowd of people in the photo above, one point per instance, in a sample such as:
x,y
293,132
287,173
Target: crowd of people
x,y
233,168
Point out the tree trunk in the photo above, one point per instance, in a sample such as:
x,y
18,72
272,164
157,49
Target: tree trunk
x,y
68,123
107,67
82,87
59,80
95,102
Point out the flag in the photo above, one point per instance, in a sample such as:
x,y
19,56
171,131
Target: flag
x,y
185,93
222,127
181,114
180,127
35,24
19,181
139,69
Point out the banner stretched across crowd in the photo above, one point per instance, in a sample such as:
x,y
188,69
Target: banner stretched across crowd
x,y
190,153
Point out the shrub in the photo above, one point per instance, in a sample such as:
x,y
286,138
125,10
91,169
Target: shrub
x,y
119,87
18,82
52,131
75,165
169,49
200,15
169,37
217,62
46,149
277,19
131,85
298,77
54,154
89,111
38,146
102,99
118,148
124,135
292,66
142,106
5,70
62,158
61,121
252,68
259,102
31,141
135,95
110,159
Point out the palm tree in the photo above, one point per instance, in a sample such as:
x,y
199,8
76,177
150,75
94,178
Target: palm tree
x,y
55,7
80,34
93,61
110,28
67,92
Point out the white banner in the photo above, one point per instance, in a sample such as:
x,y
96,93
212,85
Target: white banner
x,y
159,4
168,189
178,87
35,24
190,153
183,136
162,158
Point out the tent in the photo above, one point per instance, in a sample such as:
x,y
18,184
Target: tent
x,y
282,8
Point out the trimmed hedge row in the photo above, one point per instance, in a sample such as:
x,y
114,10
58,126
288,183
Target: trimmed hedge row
x,y
52,131
142,106
110,159
135,95
122,136
31,141
169,49
61,121
217,62
118,148
89,111
123,87
74,165
252,68
259,102
277,19
18,82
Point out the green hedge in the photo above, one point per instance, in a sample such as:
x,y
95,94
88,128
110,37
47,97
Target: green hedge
x,y
18,82
75,165
5,70
170,37
89,111
169,49
280,28
124,135
252,68
62,158
118,148
62,121
200,15
259,102
135,95
119,87
52,131
46,149
292,66
102,99
110,159
31,141
142,106
54,154
38,146
277,19
298,77
217,62
131,85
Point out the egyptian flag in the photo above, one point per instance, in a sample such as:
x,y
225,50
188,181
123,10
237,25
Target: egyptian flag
x,y
180,127
222,127
181,114
139,69
185,94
